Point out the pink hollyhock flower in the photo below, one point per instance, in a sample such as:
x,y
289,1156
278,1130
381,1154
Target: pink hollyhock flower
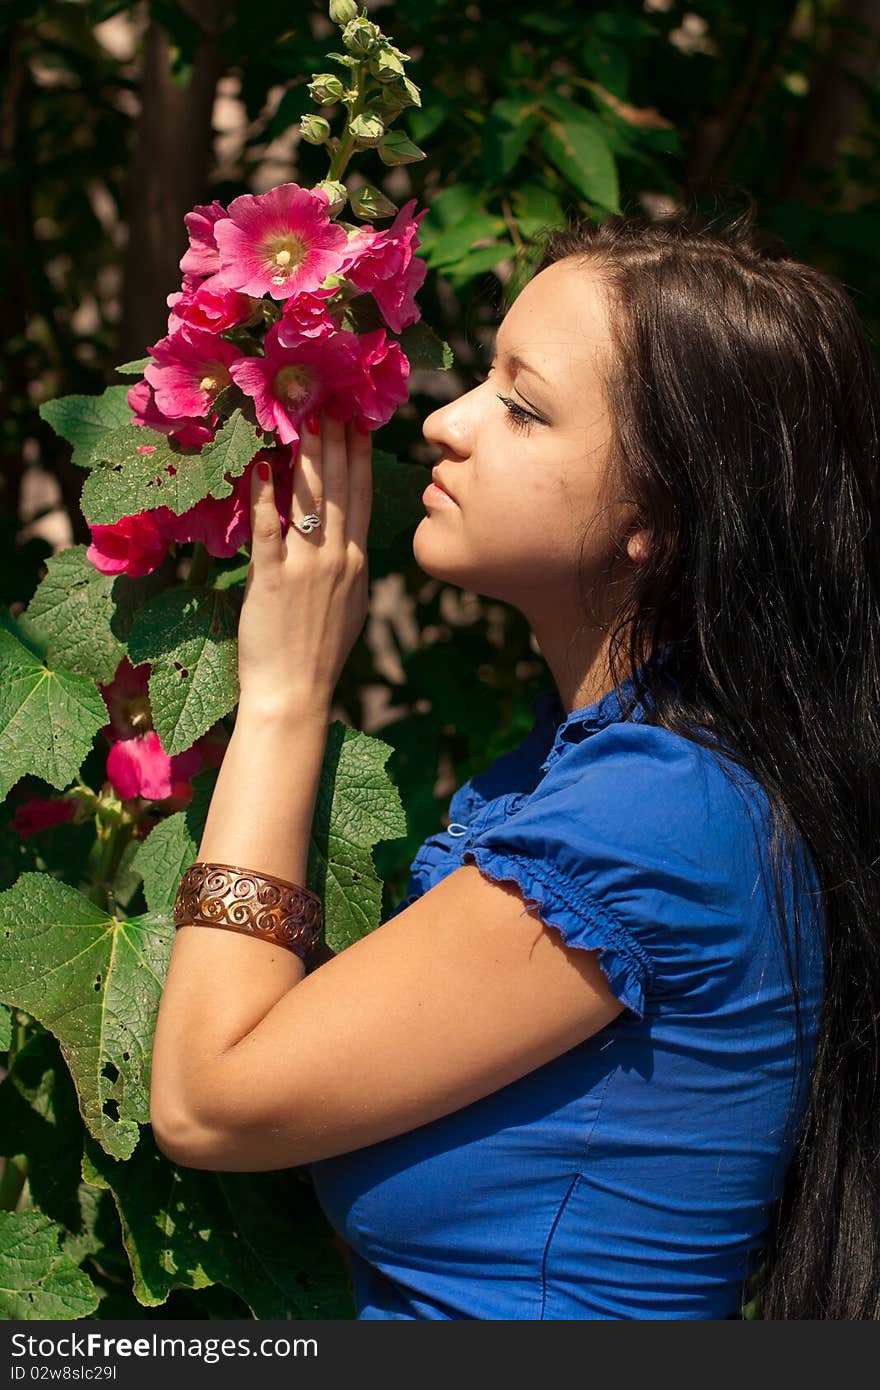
x,y
202,258
279,243
39,814
307,316
128,701
292,380
190,369
134,545
208,306
383,381
140,766
386,267
188,433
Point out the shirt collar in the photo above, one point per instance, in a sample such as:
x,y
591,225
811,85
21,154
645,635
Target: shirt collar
x,y
608,709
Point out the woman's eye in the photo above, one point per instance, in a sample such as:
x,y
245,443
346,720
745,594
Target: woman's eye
x,y
520,418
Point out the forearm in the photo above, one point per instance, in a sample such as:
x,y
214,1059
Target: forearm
x,y
221,984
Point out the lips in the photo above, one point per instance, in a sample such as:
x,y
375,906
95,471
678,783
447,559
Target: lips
x,y
436,480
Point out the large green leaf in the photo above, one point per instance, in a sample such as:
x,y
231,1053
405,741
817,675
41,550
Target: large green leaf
x,y
81,420
94,981
125,481
83,615
37,1280
47,718
506,133
579,150
397,497
423,348
189,637
260,1234
357,805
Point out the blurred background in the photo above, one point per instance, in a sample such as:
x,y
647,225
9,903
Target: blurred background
x,y
117,118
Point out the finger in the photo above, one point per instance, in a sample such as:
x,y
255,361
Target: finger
x,y
334,475
265,521
308,489
360,484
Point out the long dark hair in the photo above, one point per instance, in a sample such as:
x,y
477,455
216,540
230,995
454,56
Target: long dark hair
x,y
745,408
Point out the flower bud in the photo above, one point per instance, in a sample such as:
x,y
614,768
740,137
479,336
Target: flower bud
x,y
326,88
397,148
371,203
343,11
412,91
367,129
314,129
336,193
385,65
362,37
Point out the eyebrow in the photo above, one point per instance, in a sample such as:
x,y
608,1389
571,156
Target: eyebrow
x,y
521,365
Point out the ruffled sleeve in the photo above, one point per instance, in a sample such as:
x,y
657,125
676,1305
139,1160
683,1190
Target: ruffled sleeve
x,y
637,846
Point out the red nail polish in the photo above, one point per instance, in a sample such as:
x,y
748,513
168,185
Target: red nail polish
x,y
313,424
265,471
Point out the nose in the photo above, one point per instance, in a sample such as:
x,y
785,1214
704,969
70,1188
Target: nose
x,y
450,427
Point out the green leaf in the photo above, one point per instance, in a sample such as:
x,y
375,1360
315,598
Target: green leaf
x,y
189,637
356,806
5,1031
37,1280
579,150
125,482
82,420
478,262
171,846
506,133
424,348
536,209
47,718
81,614
134,368
444,248
262,1235
397,498
94,982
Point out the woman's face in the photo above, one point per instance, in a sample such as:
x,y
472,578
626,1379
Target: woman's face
x,y
527,471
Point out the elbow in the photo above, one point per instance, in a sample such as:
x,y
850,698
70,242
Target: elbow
x,y
182,1139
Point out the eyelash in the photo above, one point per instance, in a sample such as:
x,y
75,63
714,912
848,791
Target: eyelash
x,y
520,418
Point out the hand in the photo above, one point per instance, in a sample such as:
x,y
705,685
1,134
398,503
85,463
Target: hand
x,y
306,596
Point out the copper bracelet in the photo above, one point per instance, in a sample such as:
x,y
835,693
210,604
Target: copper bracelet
x,y
257,904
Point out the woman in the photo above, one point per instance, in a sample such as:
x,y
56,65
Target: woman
x,y
618,1048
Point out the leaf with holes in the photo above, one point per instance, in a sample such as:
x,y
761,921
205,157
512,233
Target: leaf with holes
x,y
47,718
261,1234
125,481
82,420
357,805
37,1280
94,982
189,637
78,612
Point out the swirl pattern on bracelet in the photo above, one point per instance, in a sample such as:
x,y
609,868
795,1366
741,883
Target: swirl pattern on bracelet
x,y
258,904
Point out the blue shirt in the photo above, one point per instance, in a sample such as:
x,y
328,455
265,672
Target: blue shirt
x,y
632,1176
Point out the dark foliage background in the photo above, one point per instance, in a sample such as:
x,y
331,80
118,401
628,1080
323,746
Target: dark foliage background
x,y
117,118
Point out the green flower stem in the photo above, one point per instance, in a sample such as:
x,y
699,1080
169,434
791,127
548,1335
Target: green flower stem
x,y
340,160
114,838
201,566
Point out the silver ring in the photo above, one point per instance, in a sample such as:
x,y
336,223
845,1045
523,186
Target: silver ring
x,y
309,523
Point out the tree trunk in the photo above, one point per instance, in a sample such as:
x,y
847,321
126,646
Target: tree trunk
x,y
169,173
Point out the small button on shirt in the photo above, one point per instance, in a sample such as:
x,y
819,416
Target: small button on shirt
x,y
632,1176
